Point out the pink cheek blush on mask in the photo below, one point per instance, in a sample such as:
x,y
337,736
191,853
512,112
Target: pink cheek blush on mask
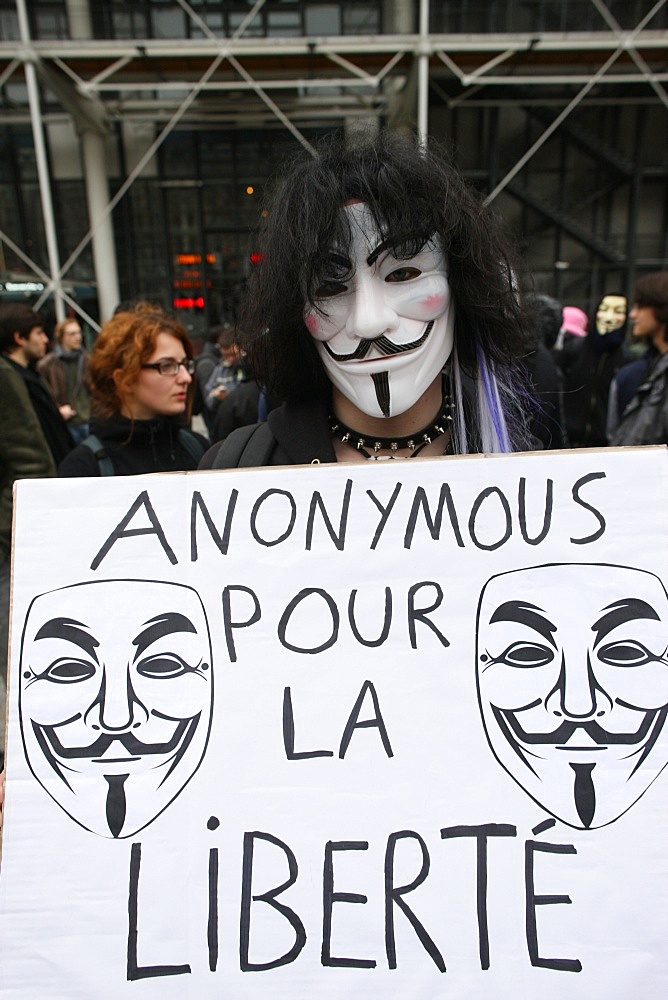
x,y
433,302
312,324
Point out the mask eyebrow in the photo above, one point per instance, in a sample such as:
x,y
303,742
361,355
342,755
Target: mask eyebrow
x,y
414,243
71,631
161,625
525,614
339,260
627,610
377,251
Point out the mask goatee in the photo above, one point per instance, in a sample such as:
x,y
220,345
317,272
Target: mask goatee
x,y
381,382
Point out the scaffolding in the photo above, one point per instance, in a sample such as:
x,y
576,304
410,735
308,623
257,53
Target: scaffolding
x,y
564,130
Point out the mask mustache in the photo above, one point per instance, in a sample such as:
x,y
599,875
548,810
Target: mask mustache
x,y
129,741
563,732
382,344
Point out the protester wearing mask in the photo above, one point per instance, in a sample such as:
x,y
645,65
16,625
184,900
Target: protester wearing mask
x,y
385,313
589,365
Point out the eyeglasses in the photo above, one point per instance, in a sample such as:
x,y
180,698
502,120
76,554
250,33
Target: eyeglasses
x,y
172,367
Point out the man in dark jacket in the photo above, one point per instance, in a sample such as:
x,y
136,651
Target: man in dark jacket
x,y
23,343
24,452
589,365
645,418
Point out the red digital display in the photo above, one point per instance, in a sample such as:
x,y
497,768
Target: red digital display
x,y
188,303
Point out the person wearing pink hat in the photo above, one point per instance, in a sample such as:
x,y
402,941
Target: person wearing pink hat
x,y
574,321
590,356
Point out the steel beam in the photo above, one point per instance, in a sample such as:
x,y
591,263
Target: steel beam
x,y
42,166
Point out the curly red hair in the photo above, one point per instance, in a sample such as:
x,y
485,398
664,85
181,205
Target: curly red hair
x,y
124,344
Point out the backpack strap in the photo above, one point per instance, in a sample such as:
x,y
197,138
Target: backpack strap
x,y
189,441
104,463
192,444
245,447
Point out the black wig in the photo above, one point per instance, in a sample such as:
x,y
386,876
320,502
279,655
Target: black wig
x,y
413,195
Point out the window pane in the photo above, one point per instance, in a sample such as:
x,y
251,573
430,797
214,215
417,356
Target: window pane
x,y
72,223
362,19
178,157
51,24
323,20
286,23
9,26
168,23
215,22
254,29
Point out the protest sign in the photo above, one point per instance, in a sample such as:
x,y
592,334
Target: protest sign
x,y
394,728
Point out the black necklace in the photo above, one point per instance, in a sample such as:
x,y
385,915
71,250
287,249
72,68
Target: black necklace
x,y
414,442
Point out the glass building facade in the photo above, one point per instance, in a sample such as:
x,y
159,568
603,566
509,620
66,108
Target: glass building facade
x,y
588,205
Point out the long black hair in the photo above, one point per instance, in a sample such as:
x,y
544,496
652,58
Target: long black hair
x,y
413,195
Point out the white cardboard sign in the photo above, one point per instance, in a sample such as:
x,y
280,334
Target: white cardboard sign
x,y
395,728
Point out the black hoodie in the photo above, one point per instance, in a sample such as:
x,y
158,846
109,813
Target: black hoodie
x,y
134,447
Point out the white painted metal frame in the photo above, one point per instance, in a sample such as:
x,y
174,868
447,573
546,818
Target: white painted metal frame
x,y
362,92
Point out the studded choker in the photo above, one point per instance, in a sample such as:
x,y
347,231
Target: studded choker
x,y
413,442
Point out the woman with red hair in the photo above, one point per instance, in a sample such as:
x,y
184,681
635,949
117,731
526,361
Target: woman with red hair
x,y
140,378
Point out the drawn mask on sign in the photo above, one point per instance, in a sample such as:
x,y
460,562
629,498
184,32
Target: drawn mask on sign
x,y
572,671
115,699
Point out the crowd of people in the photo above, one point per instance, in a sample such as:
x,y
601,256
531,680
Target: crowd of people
x,y
386,321
611,387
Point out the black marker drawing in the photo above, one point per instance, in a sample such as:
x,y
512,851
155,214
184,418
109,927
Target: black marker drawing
x,y
116,698
572,670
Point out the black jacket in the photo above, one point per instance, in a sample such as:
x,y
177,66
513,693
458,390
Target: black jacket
x,y
301,433
547,418
54,428
588,367
645,419
134,447
238,409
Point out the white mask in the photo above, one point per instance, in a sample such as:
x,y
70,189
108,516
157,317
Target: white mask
x,y
116,698
611,313
574,690
384,326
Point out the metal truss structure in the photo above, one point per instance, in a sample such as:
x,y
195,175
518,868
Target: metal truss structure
x,y
423,80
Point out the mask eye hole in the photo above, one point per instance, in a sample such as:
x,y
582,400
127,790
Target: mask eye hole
x,y
625,654
329,288
401,274
526,655
163,666
68,671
